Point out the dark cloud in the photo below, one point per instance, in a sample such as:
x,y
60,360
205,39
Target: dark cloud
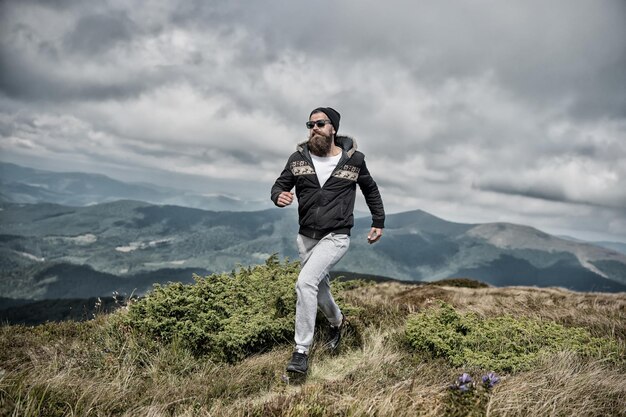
x,y
548,192
543,192
603,92
444,41
21,80
94,34
542,53
52,4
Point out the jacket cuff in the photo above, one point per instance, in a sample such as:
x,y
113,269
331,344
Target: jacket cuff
x,y
380,224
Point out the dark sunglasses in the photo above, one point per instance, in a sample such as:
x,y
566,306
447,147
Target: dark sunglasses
x,y
318,123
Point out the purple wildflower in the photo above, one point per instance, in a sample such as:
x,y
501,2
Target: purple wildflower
x,y
463,383
490,379
465,379
465,387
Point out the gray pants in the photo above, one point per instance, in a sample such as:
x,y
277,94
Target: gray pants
x,y
313,286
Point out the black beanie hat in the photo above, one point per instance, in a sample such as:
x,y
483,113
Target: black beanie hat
x,y
332,114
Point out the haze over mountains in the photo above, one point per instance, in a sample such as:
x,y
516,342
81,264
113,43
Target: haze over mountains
x,y
74,250
27,185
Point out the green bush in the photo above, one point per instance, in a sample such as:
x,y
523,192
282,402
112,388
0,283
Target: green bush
x,y
224,316
503,343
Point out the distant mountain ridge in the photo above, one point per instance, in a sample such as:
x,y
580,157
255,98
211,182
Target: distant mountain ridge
x,y
49,250
65,234
614,246
54,251
439,249
518,237
20,184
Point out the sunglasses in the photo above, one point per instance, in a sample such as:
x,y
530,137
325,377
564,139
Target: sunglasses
x,y
318,123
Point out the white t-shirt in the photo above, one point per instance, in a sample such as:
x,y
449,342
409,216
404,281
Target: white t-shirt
x,y
324,166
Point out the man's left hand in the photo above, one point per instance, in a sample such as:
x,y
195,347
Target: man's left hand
x,y
374,234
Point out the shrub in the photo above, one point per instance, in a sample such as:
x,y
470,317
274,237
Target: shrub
x,y
503,343
224,316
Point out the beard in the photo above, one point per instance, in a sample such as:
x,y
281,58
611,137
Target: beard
x,y
319,145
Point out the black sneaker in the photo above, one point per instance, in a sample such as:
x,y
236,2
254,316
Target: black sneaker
x,y
298,363
336,333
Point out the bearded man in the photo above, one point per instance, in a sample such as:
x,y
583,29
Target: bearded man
x,y
325,171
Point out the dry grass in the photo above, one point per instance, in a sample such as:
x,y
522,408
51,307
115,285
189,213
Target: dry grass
x,y
603,314
562,385
91,369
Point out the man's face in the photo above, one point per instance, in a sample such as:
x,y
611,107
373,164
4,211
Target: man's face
x,y
320,138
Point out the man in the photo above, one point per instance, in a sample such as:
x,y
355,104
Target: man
x,y
325,171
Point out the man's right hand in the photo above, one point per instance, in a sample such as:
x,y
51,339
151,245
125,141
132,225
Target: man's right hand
x,y
284,199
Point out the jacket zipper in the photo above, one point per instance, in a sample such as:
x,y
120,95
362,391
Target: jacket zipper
x,y
340,164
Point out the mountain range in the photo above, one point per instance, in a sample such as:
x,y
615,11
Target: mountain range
x,y
20,184
52,250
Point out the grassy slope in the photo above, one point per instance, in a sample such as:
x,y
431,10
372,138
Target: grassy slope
x,y
93,368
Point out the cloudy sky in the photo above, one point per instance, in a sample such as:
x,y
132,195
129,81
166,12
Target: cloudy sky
x,y
475,111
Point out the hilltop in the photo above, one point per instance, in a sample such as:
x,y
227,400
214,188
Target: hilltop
x,y
108,366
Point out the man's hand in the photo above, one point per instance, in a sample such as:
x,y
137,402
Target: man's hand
x,y
284,199
374,234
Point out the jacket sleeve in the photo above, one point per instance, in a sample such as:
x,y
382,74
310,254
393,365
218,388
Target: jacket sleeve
x,y
372,197
285,182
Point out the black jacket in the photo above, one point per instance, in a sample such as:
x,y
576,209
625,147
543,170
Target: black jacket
x,y
327,209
